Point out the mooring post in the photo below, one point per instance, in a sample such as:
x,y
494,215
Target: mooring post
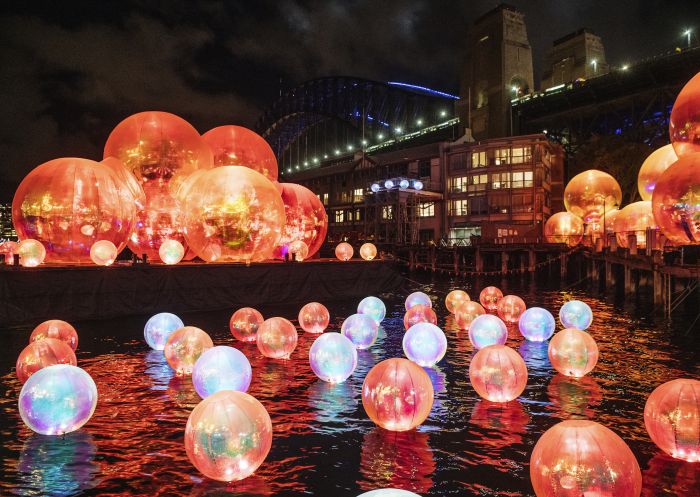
x,y
629,280
609,275
658,286
632,243
478,261
504,261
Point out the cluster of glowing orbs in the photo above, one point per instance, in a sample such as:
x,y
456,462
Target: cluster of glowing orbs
x,y
573,352
373,307
57,399
159,327
128,180
467,312
31,252
361,329
537,324
244,324
221,368
576,314
419,314
489,298
486,330
454,299
277,338
184,346
238,146
171,251
314,317
55,328
418,298
590,193
42,353
228,435
581,457
333,357
343,251
564,227
306,221
9,249
368,251
498,373
510,308
634,219
233,214
397,394
672,418
684,125
676,201
388,492
652,168
103,253
298,250
425,344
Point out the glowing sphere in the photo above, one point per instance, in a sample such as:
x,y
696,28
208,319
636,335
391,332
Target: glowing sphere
x,y
221,368
581,458
55,328
368,251
171,251
42,353
573,352
425,344
418,185
388,184
537,324
9,249
184,346
306,220
498,373
467,312
314,317
397,394
575,314
228,435
419,314
361,329
244,324
344,251
634,219
595,229
333,357
31,252
375,187
684,126
57,399
487,330
454,299
489,298
128,180
373,307
277,338
652,168
590,193
676,201
418,298
159,327
103,253
671,417
298,250
239,146
389,492
403,184
510,308
564,227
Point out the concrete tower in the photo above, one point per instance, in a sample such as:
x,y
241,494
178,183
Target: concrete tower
x,y
577,55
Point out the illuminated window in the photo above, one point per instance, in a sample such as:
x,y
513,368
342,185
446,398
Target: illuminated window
x,y
358,215
388,212
522,179
502,156
478,159
500,180
426,209
459,184
459,207
339,216
325,199
358,195
521,155
477,182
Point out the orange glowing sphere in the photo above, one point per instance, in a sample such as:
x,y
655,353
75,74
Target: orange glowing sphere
x,y
467,312
31,252
244,324
595,229
454,299
277,338
634,219
652,168
171,252
43,353
510,308
298,250
55,328
368,251
672,418
489,298
397,394
419,313
581,458
344,251
233,214
314,317
590,193
676,201
239,146
9,249
103,253
127,179
684,127
306,219
573,352
184,346
564,227
498,373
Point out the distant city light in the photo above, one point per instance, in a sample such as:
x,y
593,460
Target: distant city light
x,y
687,33
594,63
625,67
544,131
315,160
289,169
398,130
380,136
364,142
419,122
388,184
337,152
325,156
443,113
418,185
423,89
375,187
403,184
297,166
306,163
349,147
514,89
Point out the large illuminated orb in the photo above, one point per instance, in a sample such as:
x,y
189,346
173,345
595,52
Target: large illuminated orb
x,y
55,328
233,214
652,168
103,253
576,314
9,249
489,298
388,492
510,308
418,298
676,201
228,435
498,373
634,219
573,352
127,179
171,251
31,252
419,314
454,299
368,251
221,368
467,312
684,126
184,346
537,324
361,329
344,251
244,324
42,353
239,146
487,330
672,418
306,220
582,458
425,344
57,399
564,227
397,394
277,338
333,357
605,225
373,307
159,327
314,317
590,193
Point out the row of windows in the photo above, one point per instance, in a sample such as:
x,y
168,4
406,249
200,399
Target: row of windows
x,y
425,209
478,182
494,157
494,204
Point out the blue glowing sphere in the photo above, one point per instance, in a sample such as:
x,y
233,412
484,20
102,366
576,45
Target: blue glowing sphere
x,y
333,357
221,368
361,329
537,324
403,184
389,492
159,328
57,399
486,330
576,314
388,184
373,307
418,185
375,187
425,344
418,298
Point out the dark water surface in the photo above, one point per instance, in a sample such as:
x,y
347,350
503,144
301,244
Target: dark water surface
x,y
324,444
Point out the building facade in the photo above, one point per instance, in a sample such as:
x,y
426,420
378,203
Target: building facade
x,y
579,55
7,230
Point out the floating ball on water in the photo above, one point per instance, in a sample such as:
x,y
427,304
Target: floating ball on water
x,y
467,312
228,435
510,308
43,353
314,317
171,251
565,227
573,352
159,327
418,298
487,330
419,314
576,314
55,328
333,357
537,324
489,298
361,329
184,346
277,338
498,373
344,251
103,252
373,307
454,299
299,250
425,344
221,368
31,252
388,492
368,251
244,324
397,394
57,399
685,119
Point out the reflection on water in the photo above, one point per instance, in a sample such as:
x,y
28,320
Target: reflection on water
x,y
501,424
575,398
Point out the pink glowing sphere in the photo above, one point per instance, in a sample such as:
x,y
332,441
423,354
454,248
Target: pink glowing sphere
x,y
582,458
368,251
510,308
228,435
244,324
55,328
418,298
467,312
277,338
333,357
306,220
498,373
672,418
573,352
344,251
43,353
564,227
652,168
361,329
31,252
425,344
590,193
397,394
314,317
634,219
184,347
487,330
454,299
239,146
419,314
676,201
103,253
684,126
9,249
171,252
489,298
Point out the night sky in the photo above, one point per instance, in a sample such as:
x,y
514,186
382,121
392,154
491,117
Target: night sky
x,y
72,70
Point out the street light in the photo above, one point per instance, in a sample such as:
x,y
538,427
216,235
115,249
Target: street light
x,y
687,33
594,63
